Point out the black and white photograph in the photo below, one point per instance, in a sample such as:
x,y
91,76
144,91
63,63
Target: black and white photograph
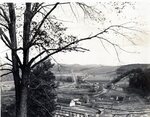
x,y
75,58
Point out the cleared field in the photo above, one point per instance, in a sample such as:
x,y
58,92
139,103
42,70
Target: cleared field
x,y
8,97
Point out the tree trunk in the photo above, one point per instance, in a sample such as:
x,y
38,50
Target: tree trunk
x,y
24,93
17,94
25,68
23,102
12,34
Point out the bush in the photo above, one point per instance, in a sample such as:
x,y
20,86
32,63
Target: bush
x,y
41,101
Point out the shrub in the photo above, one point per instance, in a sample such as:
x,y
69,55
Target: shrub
x,y
41,101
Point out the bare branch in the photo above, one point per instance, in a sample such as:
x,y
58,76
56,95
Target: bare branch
x,y
126,36
4,15
73,12
5,39
44,20
60,49
4,25
90,11
6,74
63,48
5,42
20,48
116,53
83,39
40,54
17,57
8,58
6,64
39,7
4,69
128,28
18,60
104,46
113,44
81,48
32,60
55,61
36,7
54,4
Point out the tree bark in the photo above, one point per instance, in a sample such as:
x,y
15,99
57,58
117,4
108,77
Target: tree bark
x,y
17,93
23,102
25,67
12,34
24,92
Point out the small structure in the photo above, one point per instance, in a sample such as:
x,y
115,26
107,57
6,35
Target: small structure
x,y
75,102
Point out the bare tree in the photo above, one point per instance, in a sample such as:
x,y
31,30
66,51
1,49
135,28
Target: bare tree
x,y
43,34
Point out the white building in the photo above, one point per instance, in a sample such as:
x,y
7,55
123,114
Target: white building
x,y
75,102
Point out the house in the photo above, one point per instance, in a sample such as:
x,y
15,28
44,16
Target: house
x,y
75,102
68,102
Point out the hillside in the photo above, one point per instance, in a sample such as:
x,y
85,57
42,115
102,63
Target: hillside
x,y
90,69
124,68
98,71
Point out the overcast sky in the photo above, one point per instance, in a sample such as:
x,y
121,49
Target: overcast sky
x,y
97,54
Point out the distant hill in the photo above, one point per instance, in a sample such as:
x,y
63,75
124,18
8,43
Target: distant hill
x,y
124,68
97,71
90,69
90,72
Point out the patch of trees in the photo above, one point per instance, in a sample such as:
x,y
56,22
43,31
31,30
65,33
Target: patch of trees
x,y
130,67
140,80
65,79
69,79
42,98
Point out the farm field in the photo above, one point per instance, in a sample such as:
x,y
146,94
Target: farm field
x,y
90,92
